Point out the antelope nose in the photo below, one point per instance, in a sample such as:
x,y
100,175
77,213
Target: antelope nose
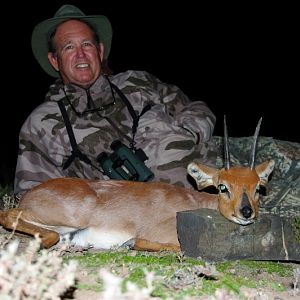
x,y
246,211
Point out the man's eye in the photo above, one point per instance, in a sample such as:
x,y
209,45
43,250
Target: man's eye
x,y
69,47
87,44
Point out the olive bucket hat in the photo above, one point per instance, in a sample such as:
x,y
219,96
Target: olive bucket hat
x,y
42,31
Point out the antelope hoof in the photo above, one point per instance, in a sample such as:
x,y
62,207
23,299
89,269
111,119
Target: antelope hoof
x,y
129,244
50,240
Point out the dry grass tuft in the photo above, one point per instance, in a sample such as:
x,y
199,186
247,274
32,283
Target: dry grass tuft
x,y
34,274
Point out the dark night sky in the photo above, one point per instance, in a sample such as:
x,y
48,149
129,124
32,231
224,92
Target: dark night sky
x,y
240,60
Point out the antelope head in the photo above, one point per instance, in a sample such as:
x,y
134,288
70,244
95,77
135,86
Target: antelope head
x,y
238,186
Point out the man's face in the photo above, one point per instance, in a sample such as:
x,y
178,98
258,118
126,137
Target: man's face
x,y
78,58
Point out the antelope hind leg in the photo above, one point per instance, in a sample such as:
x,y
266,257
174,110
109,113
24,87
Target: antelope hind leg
x,y
16,219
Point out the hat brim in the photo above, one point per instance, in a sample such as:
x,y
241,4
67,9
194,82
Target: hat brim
x,y
39,39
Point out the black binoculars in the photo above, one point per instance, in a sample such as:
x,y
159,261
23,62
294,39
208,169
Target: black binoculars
x,y
125,163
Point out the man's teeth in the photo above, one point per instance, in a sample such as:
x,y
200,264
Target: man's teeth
x,y
82,65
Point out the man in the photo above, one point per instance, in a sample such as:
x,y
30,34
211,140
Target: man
x,y
88,111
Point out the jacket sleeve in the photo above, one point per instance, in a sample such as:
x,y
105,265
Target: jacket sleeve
x,y
38,158
175,131
193,116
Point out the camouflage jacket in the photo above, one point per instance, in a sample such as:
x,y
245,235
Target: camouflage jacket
x,y
172,133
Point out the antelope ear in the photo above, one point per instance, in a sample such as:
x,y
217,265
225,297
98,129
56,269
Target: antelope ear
x,y
264,169
203,175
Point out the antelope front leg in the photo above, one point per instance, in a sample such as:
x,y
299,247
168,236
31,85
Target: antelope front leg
x,y
16,219
142,244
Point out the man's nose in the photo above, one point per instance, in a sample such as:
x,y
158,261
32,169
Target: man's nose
x,y
80,52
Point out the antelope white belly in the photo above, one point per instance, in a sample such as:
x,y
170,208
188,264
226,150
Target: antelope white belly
x,y
99,238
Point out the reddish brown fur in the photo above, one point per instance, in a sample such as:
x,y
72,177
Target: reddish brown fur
x,y
240,180
124,210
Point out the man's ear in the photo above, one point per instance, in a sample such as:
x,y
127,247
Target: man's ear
x,y
53,61
101,51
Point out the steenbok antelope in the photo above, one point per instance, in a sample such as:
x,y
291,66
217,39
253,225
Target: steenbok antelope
x,y
108,213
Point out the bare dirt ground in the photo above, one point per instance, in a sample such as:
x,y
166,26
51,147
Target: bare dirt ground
x,y
84,278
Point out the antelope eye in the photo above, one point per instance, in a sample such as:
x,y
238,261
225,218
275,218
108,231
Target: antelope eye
x,y
222,188
261,190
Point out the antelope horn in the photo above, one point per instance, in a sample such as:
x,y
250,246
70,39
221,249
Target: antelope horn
x,y
253,150
226,148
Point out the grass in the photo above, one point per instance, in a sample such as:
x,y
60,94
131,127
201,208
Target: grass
x,y
296,229
178,277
